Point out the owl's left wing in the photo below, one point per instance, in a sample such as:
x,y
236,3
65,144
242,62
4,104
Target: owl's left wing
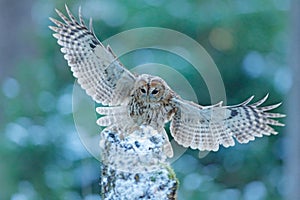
x,y
207,127
98,70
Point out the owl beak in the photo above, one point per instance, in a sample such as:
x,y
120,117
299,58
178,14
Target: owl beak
x,y
151,97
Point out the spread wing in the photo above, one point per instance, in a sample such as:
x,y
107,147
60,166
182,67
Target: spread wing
x,y
98,70
207,127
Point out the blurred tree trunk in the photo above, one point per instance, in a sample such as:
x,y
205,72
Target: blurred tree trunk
x,y
17,43
293,122
16,25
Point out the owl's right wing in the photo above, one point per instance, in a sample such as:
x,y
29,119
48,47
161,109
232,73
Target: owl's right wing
x,y
98,70
207,127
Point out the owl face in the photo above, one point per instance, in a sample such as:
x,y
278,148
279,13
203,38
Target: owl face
x,y
150,88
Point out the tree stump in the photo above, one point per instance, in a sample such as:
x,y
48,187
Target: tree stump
x,y
134,165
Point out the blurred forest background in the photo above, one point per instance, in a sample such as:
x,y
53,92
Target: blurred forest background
x,y
41,154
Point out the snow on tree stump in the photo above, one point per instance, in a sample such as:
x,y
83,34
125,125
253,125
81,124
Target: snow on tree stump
x,y
134,166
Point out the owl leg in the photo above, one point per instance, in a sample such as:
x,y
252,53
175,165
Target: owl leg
x,y
130,128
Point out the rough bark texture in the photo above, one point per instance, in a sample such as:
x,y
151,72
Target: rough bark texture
x,y
134,166
293,125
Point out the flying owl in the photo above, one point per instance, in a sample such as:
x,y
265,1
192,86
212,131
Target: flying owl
x,y
135,100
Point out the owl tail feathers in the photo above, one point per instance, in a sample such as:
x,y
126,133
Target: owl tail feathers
x,y
167,147
168,150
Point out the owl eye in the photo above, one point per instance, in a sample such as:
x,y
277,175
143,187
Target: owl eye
x,y
155,91
143,90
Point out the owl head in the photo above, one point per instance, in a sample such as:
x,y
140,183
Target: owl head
x,y
150,88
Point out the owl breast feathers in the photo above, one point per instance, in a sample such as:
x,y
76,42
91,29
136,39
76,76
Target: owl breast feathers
x,y
148,100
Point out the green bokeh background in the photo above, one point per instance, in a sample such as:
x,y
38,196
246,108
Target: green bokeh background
x,y
41,154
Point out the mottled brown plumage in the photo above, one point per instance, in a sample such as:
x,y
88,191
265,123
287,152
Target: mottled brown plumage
x,y
148,100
